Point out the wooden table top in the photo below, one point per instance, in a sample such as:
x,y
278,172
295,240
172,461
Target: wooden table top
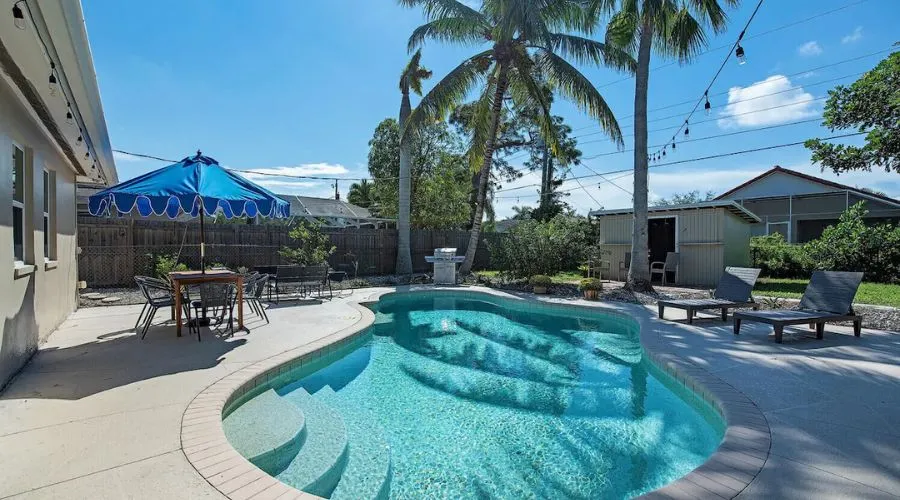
x,y
199,277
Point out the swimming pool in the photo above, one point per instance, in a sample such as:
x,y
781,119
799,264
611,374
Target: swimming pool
x,y
462,395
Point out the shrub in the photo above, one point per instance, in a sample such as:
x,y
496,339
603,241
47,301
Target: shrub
x,y
778,258
540,280
851,245
533,247
590,284
163,264
310,246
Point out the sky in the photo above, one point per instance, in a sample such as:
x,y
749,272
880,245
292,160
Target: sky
x,y
298,87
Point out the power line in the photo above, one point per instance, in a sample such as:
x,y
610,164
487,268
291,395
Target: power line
x,y
699,139
702,158
716,49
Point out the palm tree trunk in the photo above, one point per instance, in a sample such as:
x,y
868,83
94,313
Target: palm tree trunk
x,y
639,272
404,260
485,173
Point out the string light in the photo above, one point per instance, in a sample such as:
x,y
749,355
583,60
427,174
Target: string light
x,y
79,139
87,156
687,130
707,106
18,15
54,87
673,145
741,56
70,118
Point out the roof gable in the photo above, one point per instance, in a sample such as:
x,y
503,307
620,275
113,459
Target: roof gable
x,y
780,181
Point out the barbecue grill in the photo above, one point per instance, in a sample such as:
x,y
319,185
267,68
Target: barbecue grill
x,y
444,260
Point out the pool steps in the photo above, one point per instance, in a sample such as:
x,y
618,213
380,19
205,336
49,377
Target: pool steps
x,y
318,466
368,472
267,430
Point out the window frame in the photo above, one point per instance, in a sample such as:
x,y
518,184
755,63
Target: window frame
x,y
19,181
49,214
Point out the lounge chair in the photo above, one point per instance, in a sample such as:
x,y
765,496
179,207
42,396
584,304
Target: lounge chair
x,y
828,298
664,268
732,292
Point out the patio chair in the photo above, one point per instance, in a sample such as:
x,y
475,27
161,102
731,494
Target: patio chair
x,y
828,298
316,278
732,292
254,297
625,265
158,294
285,277
219,297
664,268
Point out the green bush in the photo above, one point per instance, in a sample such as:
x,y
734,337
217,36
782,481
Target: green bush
x,y
540,280
533,247
778,258
164,264
590,284
851,245
310,246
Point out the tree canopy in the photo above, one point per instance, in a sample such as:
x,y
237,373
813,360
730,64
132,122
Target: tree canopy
x,y
871,104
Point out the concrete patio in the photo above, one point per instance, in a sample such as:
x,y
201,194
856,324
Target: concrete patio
x,y
97,412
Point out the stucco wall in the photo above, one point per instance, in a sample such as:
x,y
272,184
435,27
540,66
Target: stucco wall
x,y
33,305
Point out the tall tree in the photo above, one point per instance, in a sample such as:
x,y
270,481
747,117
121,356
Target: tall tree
x,y
362,194
519,35
410,79
870,104
671,28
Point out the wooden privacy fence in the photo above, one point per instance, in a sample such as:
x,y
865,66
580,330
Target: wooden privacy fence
x,y
114,251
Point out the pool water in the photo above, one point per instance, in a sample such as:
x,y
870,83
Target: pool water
x,y
459,396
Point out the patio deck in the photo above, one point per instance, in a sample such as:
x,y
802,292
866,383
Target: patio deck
x,y
97,413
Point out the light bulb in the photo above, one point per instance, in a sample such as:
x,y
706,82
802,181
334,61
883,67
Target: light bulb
x,y
741,56
52,85
69,118
18,16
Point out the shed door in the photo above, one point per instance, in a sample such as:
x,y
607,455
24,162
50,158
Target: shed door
x,y
661,236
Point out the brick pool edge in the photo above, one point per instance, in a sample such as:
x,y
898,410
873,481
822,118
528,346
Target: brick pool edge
x,y
735,463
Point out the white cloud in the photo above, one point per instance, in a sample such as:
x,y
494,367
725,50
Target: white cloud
x,y
810,49
753,105
271,178
853,37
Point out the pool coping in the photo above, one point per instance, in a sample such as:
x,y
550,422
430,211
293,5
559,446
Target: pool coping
x,y
726,473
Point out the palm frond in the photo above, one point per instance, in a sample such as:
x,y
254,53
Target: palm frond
x,y
712,13
623,30
482,114
448,92
578,89
683,37
527,93
439,9
459,30
413,74
587,51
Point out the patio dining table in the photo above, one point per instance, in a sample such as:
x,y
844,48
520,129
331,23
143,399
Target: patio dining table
x,y
185,278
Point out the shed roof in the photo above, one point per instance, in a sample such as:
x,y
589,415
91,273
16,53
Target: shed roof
x,y
728,205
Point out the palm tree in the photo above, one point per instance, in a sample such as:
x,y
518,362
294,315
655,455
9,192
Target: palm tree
x,y
519,40
362,194
410,79
671,28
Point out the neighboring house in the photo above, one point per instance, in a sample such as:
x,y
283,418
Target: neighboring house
x,y
52,135
801,206
332,213
707,237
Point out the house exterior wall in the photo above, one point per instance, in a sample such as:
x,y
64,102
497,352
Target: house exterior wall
x,y
33,304
779,184
704,238
807,215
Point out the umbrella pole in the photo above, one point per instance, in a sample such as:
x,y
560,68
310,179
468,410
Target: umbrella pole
x,y
202,243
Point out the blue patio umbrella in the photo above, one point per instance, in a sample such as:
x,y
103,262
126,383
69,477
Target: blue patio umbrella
x,y
196,185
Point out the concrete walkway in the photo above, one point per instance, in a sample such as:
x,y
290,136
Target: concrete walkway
x,y
97,412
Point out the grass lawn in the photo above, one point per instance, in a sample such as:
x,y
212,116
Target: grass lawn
x,y
869,293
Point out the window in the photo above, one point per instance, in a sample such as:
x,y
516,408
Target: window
x,y
18,203
49,215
